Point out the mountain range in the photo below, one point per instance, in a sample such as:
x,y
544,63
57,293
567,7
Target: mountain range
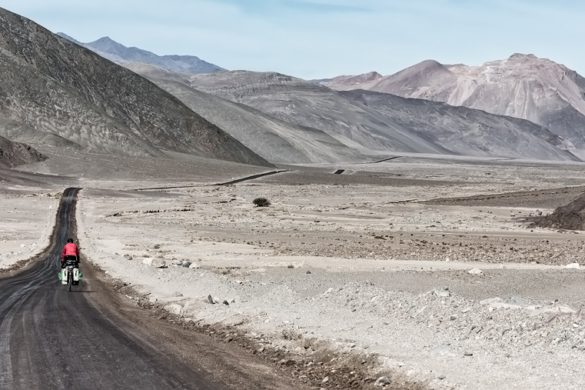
x,y
383,122
289,120
521,86
105,97
58,92
116,52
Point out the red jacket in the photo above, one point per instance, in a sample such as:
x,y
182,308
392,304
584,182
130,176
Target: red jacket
x,y
70,249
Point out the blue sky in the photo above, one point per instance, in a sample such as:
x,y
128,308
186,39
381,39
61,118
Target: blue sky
x,y
323,38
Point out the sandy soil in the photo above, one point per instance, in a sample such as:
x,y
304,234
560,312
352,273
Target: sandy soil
x,y
27,217
450,293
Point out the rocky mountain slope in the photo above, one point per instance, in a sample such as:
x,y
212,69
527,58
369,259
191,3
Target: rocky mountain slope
x,y
52,88
348,83
15,153
275,140
522,86
289,120
383,122
114,51
467,131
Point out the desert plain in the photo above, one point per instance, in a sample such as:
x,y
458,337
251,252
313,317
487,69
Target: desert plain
x,y
426,271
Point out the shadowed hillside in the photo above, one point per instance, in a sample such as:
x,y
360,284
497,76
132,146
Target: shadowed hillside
x,y
385,122
276,140
15,153
51,86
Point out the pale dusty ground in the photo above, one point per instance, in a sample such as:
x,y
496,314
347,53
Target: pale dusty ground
x,y
334,262
351,241
26,223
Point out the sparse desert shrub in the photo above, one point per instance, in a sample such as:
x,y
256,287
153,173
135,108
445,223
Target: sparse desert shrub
x,y
261,202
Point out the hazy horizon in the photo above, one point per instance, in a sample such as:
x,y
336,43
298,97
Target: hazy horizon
x,y
324,38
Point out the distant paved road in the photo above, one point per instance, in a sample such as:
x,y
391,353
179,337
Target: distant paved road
x,y
226,183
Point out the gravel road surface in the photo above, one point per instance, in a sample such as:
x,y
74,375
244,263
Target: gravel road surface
x,y
87,339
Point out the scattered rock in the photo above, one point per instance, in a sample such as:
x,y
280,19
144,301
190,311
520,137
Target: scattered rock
x,y
383,381
174,308
185,263
443,293
155,262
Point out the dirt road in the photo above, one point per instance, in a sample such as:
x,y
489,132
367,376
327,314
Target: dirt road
x,y
90,338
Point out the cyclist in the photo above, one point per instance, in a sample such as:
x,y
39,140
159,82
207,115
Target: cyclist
x,y
70,252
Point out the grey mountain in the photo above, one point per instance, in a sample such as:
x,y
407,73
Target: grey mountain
x,y
384,122
275,140
53,89
522,86
285,119
114,51
347,83
15,153
305,104
467,131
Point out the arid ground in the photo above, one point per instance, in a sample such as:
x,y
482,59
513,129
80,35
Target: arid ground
x,y
429,268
